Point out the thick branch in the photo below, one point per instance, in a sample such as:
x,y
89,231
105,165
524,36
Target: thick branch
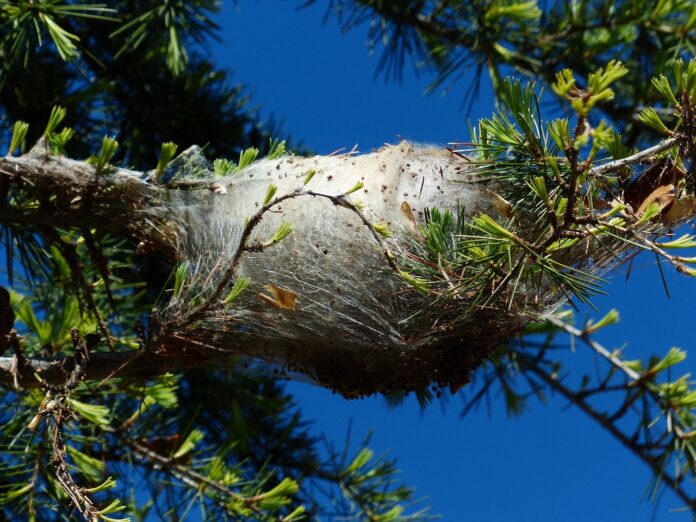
x,y
65,193
355,323
103,365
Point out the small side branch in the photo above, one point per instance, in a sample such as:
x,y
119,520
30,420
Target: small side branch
x,y
598,348
581,403
635,158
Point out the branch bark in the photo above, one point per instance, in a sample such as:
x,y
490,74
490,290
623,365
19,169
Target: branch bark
x,y
102,365
68,194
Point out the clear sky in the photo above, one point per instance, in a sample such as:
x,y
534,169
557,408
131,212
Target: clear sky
x,y
552,463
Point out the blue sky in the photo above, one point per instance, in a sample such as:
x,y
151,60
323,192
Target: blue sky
x,y
551,463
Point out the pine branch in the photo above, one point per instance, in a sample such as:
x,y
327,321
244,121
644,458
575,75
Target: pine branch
x,y
196,480
638,157
71,194
175,354
641,393
124,202
598,348
535,39
580,401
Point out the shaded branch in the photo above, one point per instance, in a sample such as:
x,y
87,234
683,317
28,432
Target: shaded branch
x,y
192,478
172,355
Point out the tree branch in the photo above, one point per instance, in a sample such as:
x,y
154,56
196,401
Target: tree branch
x,y
173,355
598,348
635,158
580,402
70,193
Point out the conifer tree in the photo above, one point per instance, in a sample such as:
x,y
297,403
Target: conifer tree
x,y
145,285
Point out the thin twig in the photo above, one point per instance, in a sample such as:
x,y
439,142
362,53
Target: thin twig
x,y
603,421
635,158
598,348
192,478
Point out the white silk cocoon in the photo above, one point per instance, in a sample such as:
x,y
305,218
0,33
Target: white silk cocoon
x,y
356,325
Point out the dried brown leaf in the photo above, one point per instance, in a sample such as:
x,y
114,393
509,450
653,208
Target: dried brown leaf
x,y
663,195
407,211
503,207
662,172
682,209
280,297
